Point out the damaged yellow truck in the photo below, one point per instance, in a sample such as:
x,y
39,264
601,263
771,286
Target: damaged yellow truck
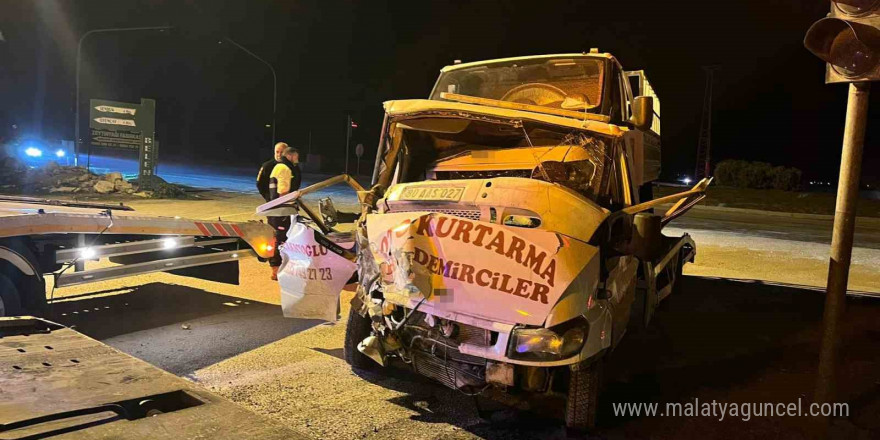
x,y
509,238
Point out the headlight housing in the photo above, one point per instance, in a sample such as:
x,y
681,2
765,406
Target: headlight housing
x,y
543,344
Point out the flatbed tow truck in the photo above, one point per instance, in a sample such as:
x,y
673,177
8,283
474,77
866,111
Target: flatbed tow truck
x,y
40,238
58,383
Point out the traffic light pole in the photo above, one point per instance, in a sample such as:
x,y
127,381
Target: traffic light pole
x,y
842,240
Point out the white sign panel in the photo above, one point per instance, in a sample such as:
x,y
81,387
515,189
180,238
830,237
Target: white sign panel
x,y
115,121
112,109
311,276
505,274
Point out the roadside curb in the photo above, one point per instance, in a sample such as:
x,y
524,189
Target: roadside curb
x,y
873,221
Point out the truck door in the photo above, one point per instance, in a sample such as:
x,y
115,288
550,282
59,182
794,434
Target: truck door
x,y
622,271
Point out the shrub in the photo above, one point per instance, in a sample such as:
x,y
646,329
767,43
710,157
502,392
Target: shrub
x,y
727,172
786,179
757,175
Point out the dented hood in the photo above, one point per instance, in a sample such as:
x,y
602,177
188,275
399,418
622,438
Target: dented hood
x,y
450,266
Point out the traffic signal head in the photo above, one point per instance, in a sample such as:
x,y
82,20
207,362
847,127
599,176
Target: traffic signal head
x,y
848,40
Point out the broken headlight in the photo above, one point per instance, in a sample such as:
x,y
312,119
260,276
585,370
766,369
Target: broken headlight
x,y
543,344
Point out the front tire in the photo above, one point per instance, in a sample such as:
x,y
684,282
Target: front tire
x,y
357,329
583,396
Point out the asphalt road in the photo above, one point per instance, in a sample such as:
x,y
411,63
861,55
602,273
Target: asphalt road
x,y
717,340
231,179
803,228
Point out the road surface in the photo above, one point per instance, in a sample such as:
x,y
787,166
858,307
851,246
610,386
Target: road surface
x,y
230,179
729,341
733,342
803,228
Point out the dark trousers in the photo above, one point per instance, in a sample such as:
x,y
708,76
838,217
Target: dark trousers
x,y
281,226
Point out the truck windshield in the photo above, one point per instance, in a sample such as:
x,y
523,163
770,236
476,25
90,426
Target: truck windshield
x,y
484,150
562,83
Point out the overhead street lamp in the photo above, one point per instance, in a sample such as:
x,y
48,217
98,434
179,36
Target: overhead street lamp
x,y
274,81
76,140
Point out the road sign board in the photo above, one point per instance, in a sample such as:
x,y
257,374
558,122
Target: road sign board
x,y
126,126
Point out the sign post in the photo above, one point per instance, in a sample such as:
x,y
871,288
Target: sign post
x,y
358,151
351,124
126,126
148,147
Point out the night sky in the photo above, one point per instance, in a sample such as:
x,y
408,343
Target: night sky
x,y
335,58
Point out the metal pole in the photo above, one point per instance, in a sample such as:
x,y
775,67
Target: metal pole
x,y
274,82
76,139
709,140
347,141
842,240
379,150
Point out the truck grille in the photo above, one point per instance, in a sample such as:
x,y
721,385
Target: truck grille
x,y
429,366
472,214
464,333
468,334
447,371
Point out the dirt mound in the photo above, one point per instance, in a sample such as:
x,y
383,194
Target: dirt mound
x,y
17,178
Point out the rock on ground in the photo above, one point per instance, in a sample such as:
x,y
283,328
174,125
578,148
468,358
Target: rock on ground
x,y
113,177
104,187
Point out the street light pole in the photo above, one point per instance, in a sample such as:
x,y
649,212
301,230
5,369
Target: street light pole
x,y
76,140
274,81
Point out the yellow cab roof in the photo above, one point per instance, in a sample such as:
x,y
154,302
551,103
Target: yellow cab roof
x,y
415,107
530,57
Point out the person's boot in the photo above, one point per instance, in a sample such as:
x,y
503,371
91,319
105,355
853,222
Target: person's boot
x,y
274,273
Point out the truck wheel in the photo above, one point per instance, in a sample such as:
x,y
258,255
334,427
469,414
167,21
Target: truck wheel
x,y
583,396
357,329
28,292
9,302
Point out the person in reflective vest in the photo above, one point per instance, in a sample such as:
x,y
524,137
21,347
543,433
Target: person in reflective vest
x,y
266,170
284,178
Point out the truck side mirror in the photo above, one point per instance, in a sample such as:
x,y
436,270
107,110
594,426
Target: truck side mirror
x,y
642,112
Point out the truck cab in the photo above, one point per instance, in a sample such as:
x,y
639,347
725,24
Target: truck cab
x,y
591,86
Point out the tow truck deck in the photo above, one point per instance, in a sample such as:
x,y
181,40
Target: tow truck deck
x,y
58,383
39,236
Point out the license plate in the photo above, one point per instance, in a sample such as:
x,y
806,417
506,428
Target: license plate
x,y
446,194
